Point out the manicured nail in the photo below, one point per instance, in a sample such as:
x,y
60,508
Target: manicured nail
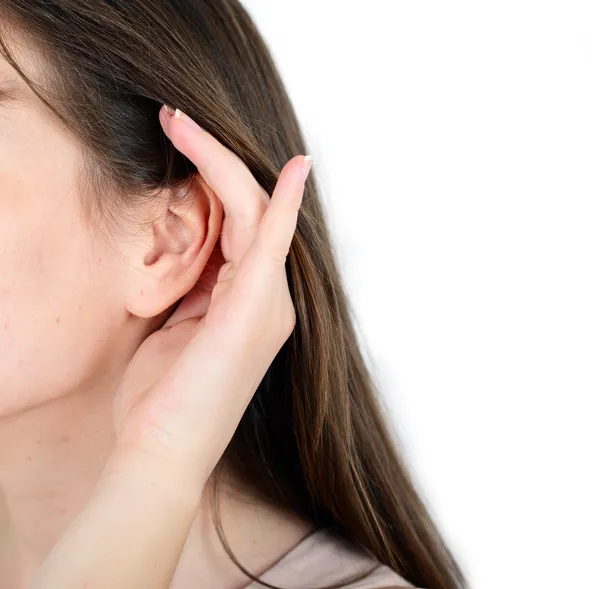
x,y
308,159
169,109
179,114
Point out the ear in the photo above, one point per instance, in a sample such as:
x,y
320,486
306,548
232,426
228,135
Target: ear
x,y
168,258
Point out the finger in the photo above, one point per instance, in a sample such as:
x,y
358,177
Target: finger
x,y
279,222
197,301
243,198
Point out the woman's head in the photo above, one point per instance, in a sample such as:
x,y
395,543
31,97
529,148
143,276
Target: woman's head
x,y
79,288
91,193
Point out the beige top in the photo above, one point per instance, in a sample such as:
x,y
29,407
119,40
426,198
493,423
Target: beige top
x,y
323,559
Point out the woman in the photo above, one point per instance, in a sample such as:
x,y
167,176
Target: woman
x,y
184,402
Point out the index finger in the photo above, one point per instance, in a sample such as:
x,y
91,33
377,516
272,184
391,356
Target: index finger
x,y
220,167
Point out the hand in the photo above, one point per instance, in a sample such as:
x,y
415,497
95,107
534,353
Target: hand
x,y
188,384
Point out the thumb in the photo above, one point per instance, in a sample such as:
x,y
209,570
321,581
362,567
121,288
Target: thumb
x,y
151,361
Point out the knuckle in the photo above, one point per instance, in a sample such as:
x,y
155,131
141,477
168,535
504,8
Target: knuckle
x,y
259,329
276,255
226,272
288,321
251,214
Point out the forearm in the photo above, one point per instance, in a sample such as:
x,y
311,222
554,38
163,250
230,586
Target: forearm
x,y
135,525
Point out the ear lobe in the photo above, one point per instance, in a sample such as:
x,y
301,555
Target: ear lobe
x,y
174,251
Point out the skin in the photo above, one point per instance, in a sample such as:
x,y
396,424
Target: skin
x,y
78,419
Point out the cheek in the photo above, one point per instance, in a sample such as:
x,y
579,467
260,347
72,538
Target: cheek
x,y
59,303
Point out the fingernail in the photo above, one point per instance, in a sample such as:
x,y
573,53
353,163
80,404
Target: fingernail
x,y
179,114
308,160
169,110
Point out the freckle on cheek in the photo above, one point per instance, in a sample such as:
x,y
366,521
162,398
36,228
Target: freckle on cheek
x,y
58,320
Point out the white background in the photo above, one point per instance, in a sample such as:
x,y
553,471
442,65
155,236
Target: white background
x,y
457,147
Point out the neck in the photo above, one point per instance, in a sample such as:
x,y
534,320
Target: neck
x,y
51,457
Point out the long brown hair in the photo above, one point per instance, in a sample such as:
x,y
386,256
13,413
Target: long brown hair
x,y
315,438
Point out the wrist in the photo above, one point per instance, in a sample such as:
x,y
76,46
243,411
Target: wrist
x,y
174,479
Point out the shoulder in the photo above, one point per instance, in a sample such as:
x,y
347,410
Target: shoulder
x,y
345,559
324,558
382,577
